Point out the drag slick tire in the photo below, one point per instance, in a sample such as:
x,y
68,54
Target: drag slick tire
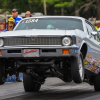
x,y
77,69
29,84
97,82
2,72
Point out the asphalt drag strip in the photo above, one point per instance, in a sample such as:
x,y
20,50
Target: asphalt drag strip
x,y
53,89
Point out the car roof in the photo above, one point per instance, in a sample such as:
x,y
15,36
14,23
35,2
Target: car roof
x,y
76,17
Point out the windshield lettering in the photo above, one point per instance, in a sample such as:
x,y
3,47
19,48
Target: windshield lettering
x,y
30,21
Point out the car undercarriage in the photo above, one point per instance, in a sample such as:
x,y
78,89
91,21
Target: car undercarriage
x,y
41,68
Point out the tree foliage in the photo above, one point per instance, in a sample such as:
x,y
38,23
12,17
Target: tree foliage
x,y
84,8
21,5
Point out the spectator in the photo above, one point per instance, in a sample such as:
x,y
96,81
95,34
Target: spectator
x,y
1,27
96,27
28,14
10,25
15,16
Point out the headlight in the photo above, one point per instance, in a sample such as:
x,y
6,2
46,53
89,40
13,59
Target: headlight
x,y
66,41
1,42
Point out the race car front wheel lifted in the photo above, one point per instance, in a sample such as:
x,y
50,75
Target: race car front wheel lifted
x,y
29,84
77,69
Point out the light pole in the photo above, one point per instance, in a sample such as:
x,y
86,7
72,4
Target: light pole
x,y
45,13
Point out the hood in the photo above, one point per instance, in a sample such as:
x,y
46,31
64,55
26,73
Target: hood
x,y
32,33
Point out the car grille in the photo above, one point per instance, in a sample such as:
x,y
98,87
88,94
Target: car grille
x,y
32,41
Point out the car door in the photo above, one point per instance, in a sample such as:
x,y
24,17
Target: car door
x,y
93,54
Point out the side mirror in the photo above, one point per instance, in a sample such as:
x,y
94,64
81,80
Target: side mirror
x,y
94,33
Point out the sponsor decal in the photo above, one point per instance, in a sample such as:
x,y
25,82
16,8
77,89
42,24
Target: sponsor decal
x,y
86,63
92,68
31,20
99,61
31,51
92,64
97,71
88,56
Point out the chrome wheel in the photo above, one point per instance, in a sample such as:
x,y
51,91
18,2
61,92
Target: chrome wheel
x,y
81,69
77,69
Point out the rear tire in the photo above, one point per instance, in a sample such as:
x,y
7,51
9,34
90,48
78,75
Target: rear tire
x,y
29,84
77,69
97,83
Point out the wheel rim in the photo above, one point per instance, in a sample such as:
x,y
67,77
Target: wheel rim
x,y
81,69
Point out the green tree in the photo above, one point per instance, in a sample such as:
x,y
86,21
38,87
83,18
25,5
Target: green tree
x,y
36,5
98,9
84,8
21,5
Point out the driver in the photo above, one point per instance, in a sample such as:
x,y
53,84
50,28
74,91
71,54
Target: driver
x,y
50,27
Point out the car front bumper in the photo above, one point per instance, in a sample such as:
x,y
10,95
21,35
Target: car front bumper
x,y
7,52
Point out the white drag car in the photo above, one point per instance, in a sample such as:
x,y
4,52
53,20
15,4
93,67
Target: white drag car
x,y
67,47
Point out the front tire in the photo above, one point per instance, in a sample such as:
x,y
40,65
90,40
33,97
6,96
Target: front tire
x,y
77,69
97,83
29,84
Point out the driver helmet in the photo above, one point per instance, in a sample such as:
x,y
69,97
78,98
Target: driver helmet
x,y
50,27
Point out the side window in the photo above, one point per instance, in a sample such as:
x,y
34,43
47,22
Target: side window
x,y
93,27
89,28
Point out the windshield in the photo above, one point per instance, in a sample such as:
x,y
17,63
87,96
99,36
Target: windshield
x,y
50,23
